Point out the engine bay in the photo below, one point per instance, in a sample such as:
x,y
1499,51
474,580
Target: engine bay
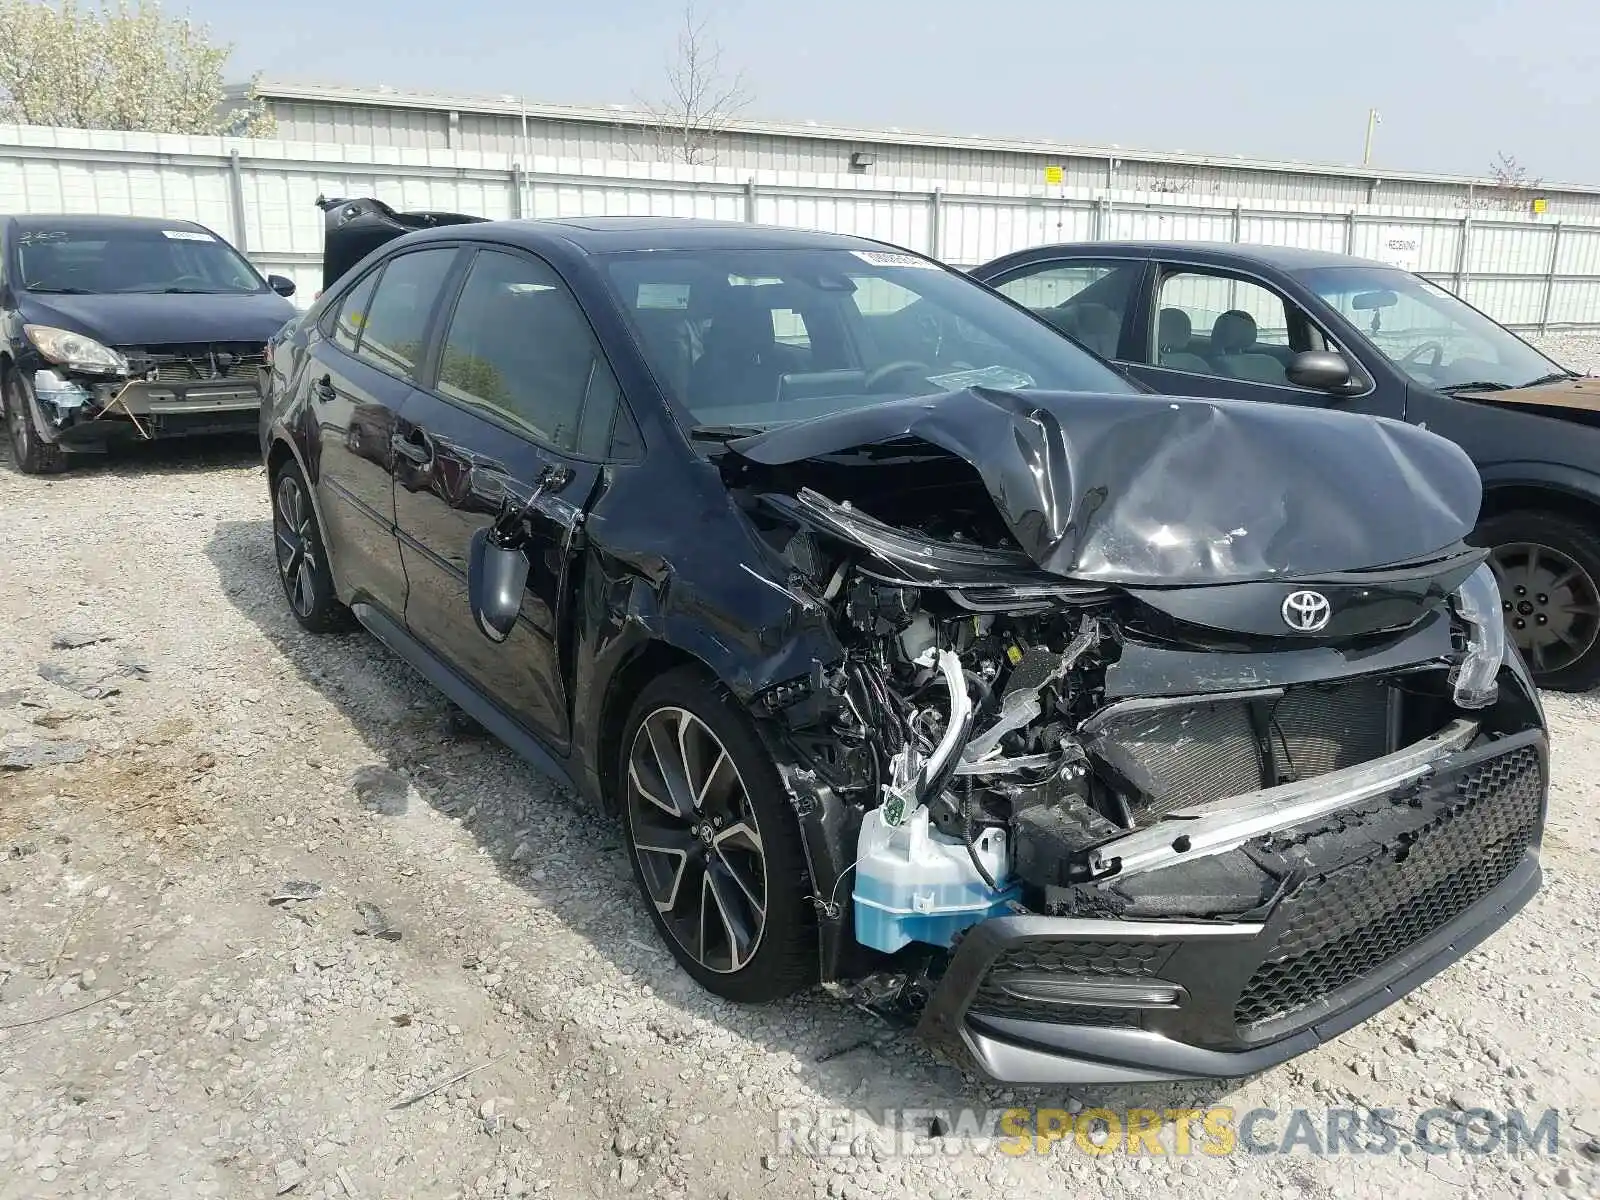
x,y
977,742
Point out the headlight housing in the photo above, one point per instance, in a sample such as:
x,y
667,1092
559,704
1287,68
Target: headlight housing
x,y
75,350
1475,679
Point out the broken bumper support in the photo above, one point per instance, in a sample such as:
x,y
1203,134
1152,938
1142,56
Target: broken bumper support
x,y
1379,894
75,414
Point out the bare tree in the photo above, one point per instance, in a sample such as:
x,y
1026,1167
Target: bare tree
x,y
701,97
124,67
1512,189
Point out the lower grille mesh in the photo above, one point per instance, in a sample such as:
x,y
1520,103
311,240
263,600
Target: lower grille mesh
x,y
1352,921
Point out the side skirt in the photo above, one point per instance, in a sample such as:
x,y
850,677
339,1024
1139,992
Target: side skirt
x,y
485,712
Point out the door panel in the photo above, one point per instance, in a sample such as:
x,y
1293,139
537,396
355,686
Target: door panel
x,y
523,398
1194,383
354,406
454,472
357,384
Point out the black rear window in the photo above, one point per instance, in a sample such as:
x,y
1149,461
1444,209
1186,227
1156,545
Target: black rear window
x,y
86,259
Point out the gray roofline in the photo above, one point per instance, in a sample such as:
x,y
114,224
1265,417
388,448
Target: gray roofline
x,y
618,114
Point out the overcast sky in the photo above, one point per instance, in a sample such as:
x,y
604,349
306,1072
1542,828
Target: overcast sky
x,y
1456,81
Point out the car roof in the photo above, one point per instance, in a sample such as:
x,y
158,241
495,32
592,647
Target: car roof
x,y
96,221
1283,258
598,235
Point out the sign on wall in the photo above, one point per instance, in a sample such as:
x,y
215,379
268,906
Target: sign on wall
x,y
1400,247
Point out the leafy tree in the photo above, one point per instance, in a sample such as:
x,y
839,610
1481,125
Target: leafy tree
x,y
125,67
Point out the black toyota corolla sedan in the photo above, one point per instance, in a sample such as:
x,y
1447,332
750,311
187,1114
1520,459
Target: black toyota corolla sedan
x,y
1290,326
1108,736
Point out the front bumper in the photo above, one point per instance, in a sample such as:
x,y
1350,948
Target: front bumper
x,y
1376,898
108,411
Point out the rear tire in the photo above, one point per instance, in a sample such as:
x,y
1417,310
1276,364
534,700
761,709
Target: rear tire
x,y
1548,568
302,557
31,454
713,842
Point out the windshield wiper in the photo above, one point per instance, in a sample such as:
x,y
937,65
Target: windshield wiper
x,y
723,433
183,291
58,291
1554,377
1481,385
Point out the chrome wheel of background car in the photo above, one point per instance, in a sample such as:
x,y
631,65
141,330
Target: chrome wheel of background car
x,y
1551,604
293,532
696,839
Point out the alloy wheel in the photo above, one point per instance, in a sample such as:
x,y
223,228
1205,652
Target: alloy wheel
x,y
696,840
294,533
16,423
1551,604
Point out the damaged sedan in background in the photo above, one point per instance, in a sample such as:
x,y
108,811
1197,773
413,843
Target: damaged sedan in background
x,y
1106,736
127,329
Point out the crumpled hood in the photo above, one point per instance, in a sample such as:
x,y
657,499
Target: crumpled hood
x,y
1156,490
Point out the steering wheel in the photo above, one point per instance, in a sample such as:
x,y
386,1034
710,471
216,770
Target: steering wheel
x,y
889,370
1413,356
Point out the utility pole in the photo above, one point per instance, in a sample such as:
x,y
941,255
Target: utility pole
x,y
1373,121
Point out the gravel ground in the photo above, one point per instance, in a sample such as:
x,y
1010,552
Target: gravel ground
x,y
173,1025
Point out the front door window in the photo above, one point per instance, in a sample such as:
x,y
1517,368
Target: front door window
x,y
1216,324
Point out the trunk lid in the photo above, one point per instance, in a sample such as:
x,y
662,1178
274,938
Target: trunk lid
x,y
353,229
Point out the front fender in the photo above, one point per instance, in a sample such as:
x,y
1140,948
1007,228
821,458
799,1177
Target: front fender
x,y
630,613
748,639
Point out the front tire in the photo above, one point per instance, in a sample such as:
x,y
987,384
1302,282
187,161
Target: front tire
x,y
302,558
32,454
1548,569
714,844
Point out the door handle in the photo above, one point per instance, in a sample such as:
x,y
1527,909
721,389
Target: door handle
x,y
323,389
415,447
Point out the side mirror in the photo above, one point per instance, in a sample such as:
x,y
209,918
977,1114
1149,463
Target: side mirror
x,y
1322,370
281,284
497,576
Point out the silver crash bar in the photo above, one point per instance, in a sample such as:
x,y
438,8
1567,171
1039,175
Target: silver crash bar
x,y
1223,825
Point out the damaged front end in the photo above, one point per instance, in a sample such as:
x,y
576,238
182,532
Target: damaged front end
x,y
1091,827
84,395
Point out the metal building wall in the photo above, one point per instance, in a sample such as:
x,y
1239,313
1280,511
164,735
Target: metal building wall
x,y
1527,272
594,137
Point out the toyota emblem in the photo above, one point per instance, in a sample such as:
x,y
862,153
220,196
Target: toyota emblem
x,y
1306,611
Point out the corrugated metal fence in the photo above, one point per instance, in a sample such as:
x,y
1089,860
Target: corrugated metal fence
x,y
1528,273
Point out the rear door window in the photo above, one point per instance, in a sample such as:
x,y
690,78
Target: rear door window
x,y
1215,323
396,322
351,314
1087,299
